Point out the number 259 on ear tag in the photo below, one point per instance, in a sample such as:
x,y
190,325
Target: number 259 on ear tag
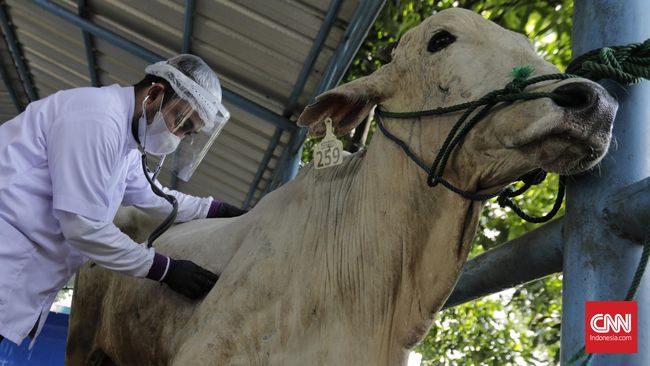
x,y
330,150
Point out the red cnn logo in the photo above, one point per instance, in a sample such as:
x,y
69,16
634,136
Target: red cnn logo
x,y
610,327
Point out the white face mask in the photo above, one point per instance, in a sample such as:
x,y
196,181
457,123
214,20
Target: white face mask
x,y
156,139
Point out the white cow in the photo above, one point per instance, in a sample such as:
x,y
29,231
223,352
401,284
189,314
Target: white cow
x,y
348,265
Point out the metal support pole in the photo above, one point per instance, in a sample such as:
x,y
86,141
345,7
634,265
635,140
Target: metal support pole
x,y
262,168
17,54
123,43
189,22
185,48
628,211
598,264
528,258
88,45
308,66
279,169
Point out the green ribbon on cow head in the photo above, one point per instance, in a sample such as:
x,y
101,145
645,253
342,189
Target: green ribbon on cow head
x,y
522,72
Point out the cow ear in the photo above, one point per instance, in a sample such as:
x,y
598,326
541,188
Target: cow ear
x,y
348,104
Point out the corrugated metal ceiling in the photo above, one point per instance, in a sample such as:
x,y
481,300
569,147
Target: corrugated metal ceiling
x,y
258,48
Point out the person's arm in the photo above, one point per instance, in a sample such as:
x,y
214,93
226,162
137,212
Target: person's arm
x,y
104,244
139,194
223,209
83,150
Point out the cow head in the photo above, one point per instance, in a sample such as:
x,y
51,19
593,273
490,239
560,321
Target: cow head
x,y
456,56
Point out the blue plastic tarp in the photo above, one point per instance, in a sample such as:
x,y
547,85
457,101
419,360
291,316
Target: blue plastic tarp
x,y
48,350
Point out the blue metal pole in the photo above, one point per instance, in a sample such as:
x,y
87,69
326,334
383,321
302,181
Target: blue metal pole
x,y
262,168
189,22
598,264
362,20
280,168
185,48
88,45
527,258
121,42
19,59
319,42
628,211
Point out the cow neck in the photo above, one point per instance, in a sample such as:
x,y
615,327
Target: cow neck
x,y
422,234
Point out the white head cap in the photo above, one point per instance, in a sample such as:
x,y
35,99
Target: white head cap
x,y
195,82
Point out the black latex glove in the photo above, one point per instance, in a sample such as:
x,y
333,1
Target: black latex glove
x,y
227,210
189,279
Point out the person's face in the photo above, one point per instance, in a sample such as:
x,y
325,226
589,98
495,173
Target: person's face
x,y
181,119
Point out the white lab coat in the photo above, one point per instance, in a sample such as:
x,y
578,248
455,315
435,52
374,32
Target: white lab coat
x,y
66,164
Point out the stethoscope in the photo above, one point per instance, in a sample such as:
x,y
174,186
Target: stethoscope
x,y
169,221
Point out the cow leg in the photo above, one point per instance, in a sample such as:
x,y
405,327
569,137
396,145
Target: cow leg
x,y
99,358
89,288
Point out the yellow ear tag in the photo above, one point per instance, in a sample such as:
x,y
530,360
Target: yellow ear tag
x,y
330,150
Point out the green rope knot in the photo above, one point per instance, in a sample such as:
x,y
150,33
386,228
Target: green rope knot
x,y
627,64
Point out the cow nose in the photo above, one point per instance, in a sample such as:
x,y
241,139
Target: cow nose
x,y
575,95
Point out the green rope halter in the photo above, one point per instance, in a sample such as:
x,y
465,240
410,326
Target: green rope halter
x,y
511,92
624,64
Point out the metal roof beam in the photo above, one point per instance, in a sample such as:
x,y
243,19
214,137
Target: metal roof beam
x,y
317,47
88,45
10,88
119,41
17,54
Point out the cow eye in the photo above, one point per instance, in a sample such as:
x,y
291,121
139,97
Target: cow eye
x,y
440,40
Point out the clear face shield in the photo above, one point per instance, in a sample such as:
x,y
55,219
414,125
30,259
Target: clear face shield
x,y
196,139
196,116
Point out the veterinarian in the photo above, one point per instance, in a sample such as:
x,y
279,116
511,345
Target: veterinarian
x,y
70,160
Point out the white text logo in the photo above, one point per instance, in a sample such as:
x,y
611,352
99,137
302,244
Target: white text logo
x,y
604,323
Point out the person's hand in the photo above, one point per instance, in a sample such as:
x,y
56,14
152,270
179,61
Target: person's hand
x,y
222,209
189,279
228,210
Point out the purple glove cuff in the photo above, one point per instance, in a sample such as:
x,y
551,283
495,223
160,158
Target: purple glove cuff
x,y
214,209
159,267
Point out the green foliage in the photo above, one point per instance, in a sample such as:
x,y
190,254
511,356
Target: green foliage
x,y
517,327
521,326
